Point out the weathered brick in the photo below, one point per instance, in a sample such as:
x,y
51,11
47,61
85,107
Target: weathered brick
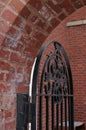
x,y
22,88
28,29
27,79
67,6
1,8
2,75
35,42
14,32
14,77
84,2
62,16
8,42
8,114
19,47
27,48
10,125
20,69
41,23
1,39
29,65
16,57
27,1
2,87
25,37
54,22
46,13
10,76
17,5
25,12
56,7
40,36
9,16
5,1
4,27
34,19
37,4
49,29
78,4
6,66
4,54
19,22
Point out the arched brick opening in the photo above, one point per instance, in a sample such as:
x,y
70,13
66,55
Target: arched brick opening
x,y
74,41
24,25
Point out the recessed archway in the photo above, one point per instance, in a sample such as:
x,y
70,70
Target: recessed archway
x,y
24,26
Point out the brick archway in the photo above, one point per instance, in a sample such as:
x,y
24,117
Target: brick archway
x,y
24,25
31,22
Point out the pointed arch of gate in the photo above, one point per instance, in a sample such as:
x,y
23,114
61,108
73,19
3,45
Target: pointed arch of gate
x,y
61,88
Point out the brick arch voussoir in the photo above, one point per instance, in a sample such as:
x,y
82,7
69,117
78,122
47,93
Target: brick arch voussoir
x,y
31,23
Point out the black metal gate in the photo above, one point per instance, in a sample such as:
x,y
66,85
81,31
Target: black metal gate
x,y
51,98
50,93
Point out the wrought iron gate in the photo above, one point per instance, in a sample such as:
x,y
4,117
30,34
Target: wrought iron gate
x,y
52,90
51,98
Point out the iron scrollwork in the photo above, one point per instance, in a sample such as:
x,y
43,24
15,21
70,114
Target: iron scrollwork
x,y
55,76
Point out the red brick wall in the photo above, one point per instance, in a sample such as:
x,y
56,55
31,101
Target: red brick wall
x,y
23,28
15,60
74,41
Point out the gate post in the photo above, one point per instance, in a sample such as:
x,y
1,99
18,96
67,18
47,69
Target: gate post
x,y
22,111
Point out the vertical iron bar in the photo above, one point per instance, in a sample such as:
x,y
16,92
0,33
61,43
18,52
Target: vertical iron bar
x,y
57,117
40,114
52,113
61,112
47,113
65,103
69,113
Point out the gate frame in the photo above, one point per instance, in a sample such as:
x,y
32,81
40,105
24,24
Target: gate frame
x,y
34,82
